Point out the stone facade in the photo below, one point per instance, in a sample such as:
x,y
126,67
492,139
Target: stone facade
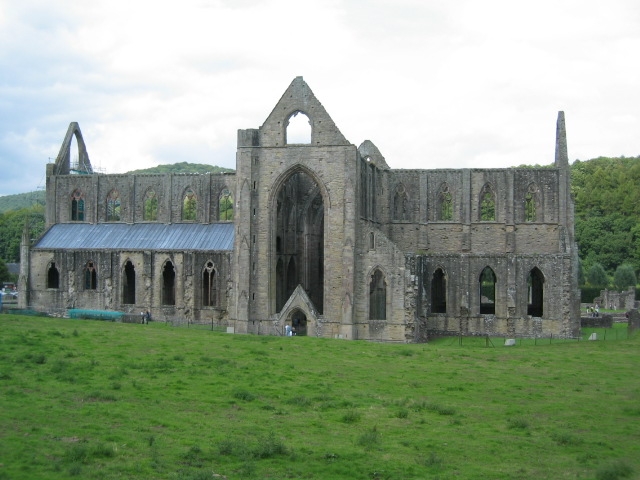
x,y
327,239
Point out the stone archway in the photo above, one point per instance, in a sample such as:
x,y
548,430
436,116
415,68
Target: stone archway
x,y
299,240
298,322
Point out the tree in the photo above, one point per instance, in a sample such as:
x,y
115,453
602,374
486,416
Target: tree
x,y
624,277
5,276
596,276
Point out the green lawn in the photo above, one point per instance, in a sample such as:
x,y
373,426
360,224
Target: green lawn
x,y
101,400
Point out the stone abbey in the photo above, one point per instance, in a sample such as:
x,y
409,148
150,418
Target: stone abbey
x,y
315,233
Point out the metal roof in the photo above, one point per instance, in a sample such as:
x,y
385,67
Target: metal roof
x,y
139,236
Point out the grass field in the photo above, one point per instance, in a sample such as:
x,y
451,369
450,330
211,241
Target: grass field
x,y
101,400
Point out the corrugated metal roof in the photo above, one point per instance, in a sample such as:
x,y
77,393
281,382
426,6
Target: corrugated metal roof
x,y
139,236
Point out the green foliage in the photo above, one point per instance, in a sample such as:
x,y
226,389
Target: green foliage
x,y
596,276
22,200
11,228
607,208
184,167
5,276
624,277
588,294
614,471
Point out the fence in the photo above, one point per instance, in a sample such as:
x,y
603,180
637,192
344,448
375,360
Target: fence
x,y
618,332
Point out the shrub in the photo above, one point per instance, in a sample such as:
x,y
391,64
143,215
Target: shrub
x,y
244,395
596,276
624,277
614,471
352,416
369,439
518,423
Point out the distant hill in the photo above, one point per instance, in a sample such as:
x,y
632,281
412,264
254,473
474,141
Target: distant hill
x,y
25,200
184,167
21,200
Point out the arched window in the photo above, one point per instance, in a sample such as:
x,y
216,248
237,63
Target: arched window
x,y
535,284
53,276
530,203
372,241
377,297
445,207
298,129
77,206
487,292
209,287
189,206
128,284
150,212
113,206
400,204
90,277
225,204
439,292
168,284
487,204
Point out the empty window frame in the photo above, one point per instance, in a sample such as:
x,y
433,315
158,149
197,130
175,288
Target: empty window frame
x,y
377,296
487,287
150,206
209,287
77,206
90,277
168,284
113,206
298,129
487,204
535,297
439,292
189,206
445,204
53,276
129,283
225,206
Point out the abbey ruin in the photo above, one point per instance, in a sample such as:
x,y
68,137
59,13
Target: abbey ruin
x,y
315,233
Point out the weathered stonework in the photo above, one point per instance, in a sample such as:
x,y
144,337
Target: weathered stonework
x,y
326,238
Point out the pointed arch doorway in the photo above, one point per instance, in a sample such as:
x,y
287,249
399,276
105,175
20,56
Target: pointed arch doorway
x,y
298,232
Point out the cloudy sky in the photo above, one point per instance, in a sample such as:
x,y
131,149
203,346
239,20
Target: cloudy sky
x,y
433,83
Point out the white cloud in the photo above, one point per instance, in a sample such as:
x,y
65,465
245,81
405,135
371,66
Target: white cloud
x,y
432,83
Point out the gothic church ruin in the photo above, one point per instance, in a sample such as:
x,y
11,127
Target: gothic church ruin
x,y
314,233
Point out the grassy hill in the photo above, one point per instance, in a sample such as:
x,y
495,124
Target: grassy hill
x,y
21,200
101,400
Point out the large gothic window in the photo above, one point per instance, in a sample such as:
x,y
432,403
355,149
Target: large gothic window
x,y
77,206
439,292
53,276
377,296
487,204
150,212
168,284
129,284
225,205
487,286
113,206
189,206
400,204
445,204
209,290
298,129
535,284
298,240
90,277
